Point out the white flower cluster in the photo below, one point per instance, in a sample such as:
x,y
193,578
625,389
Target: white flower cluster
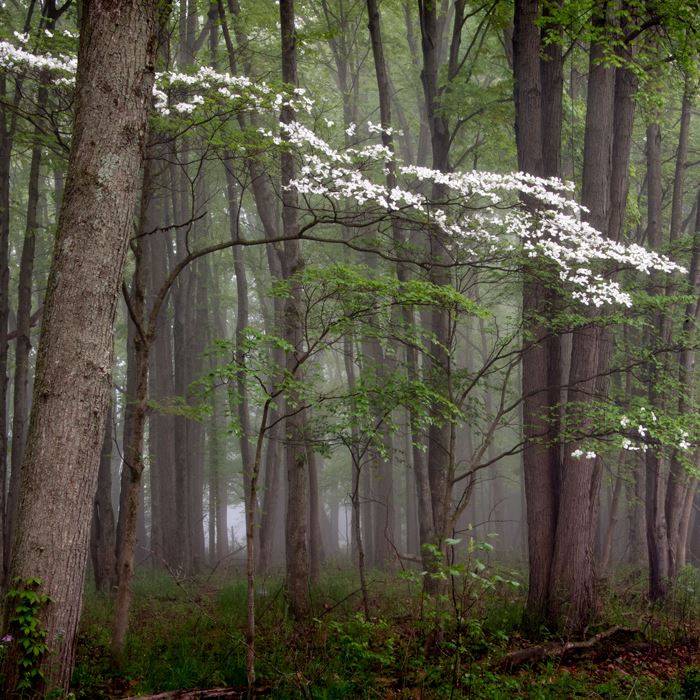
x,y
373,128
480,215
628,445
589,454
15,58
681,442
253,95
247,93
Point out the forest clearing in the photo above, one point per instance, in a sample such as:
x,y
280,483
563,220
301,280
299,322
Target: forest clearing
x,y
347,348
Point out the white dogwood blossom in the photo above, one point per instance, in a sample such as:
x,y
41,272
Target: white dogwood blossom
x,y
589,454
479,215
16,58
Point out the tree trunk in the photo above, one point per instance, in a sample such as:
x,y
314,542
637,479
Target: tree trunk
x,y
636,514
161,426
185,203
540,467
74,361
295,443
267,208
182,294
657,533
271,517
130,502
411,510
241,409
218,481
440,459
195,429
20,403
573,571
102,537
316,554
679,481
130,404
5,158
607,546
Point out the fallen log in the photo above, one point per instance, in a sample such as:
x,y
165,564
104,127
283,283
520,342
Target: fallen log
x,y
563,650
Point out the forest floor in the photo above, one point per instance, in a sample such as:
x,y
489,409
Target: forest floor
x,y
188,634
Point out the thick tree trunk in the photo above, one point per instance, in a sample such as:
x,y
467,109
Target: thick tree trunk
x,y
572,587
295,444
438,361
573,570
657,535
626,85
539,466
74,361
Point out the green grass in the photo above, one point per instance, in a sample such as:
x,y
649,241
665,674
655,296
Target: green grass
x,y
189,635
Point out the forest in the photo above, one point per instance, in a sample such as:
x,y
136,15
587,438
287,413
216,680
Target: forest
x,y
347,349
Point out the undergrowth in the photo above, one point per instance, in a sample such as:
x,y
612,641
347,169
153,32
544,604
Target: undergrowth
x,y
188,634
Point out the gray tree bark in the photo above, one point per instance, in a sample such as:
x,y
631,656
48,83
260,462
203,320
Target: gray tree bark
x,y
74,362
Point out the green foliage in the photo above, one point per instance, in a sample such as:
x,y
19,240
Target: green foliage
x,y
190,636
365,648
341,295
179,406
339,300
25,604
186,638
685,599
690,683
